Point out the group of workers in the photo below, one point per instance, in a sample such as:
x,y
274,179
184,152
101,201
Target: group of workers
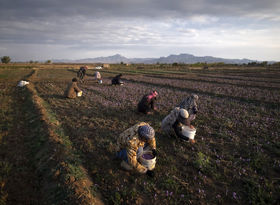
x,y
141,136
73,89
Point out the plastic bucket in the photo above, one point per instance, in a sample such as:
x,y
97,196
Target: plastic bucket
x,y
79,94
188,132
148,160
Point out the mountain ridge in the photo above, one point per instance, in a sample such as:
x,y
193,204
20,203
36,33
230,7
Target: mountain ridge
x,y
172,58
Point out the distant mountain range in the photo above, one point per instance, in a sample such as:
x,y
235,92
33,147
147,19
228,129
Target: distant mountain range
x,y
181,58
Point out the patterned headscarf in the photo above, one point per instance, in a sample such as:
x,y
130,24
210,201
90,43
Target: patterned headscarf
x,y
190,103
146,132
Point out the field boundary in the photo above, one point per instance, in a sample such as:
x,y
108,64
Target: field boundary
x,y
65,180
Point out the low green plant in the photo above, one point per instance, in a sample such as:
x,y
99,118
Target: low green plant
x,y
256,193
202,162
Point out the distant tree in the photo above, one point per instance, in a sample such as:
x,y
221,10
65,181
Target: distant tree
x,y
5,59
48,62
174,64
121,63
31,61
264,63
252,63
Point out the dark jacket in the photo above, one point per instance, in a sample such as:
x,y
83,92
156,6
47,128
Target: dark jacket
x,y
81,73
177,126
117,80
146,105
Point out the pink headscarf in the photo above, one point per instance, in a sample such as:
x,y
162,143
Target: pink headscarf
x,y
152,95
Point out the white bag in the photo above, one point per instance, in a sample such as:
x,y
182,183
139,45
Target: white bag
x,y
22,83
79,94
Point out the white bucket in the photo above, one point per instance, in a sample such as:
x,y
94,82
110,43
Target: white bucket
x,y
79,94
148,163
188,132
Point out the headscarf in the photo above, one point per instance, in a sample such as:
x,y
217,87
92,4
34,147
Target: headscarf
x,y
190,104
146,132
152,95
183,113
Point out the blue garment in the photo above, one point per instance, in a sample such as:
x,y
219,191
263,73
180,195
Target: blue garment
x,y
122,154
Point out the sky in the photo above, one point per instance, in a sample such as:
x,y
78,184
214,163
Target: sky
x,y
77,29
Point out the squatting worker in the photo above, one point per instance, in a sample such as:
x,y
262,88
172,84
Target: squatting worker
x,y
190,104
177,113
180,124
117,80
72,89
147,103
138,136
97,77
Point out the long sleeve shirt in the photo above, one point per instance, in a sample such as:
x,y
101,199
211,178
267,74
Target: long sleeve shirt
x,y
146,104
170,119
130,141
72,90
189,104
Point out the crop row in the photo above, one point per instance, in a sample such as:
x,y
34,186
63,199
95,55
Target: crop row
x,y
235,141
255,94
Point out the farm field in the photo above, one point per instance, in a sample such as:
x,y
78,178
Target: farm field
x,y
235,160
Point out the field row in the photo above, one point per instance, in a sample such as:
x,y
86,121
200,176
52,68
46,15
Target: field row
x,y
225,131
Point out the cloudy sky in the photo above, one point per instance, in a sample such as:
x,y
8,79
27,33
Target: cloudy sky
x,y
75,29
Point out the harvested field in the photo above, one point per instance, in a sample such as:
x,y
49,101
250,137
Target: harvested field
x,y
236,158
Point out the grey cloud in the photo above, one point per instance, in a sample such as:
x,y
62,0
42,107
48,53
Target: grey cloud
x,y
120,24
28,9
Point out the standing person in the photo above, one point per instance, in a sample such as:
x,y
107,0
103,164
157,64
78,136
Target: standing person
x,y
72,89
117,80
147,103
97,77
190,104
141,135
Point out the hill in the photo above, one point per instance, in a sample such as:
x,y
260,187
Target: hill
x,y
181,58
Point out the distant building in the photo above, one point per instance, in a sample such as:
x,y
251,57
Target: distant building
x,y
106,65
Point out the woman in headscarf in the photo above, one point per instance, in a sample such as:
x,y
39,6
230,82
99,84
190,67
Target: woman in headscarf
x,y
72,89
190,104
141,135
147,103
177,114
